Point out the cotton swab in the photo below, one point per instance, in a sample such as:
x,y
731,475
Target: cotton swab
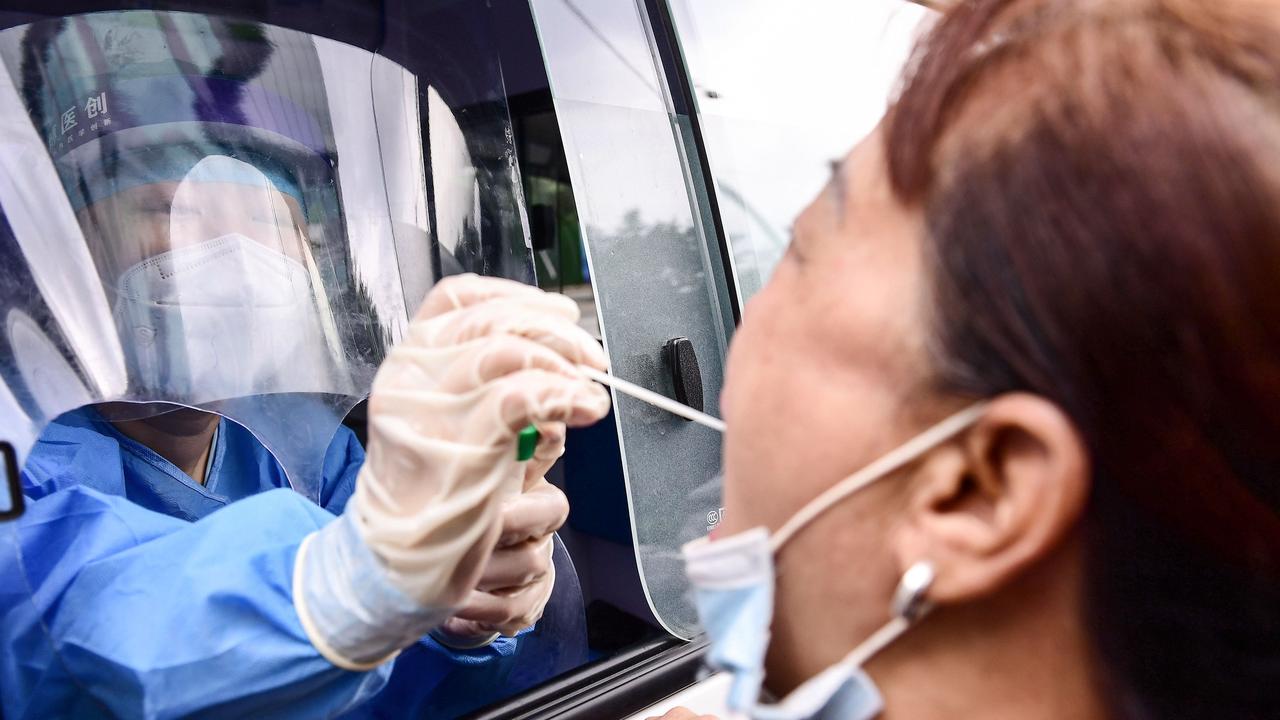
x,y
653,398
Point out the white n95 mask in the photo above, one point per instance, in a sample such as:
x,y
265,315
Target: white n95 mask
x,y
733,581
221,319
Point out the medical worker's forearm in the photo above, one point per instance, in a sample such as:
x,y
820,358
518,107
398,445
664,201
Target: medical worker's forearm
x,y
178,618
353,615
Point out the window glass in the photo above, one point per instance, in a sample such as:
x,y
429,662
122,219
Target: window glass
x,y
782,89
657,275
353,152
204,200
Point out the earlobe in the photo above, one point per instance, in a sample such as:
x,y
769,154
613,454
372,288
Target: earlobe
x,y
996,500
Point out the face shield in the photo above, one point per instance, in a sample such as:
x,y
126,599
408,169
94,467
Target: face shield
x,y
216,214
227,301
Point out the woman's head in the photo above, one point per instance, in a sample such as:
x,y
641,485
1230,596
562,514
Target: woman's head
x,y
1072,210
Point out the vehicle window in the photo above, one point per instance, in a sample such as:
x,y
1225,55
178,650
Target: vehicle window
x,y
656,271
160,141
355,153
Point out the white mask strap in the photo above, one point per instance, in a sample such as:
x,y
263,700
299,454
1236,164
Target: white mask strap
x,y
893,460
812,695
909,605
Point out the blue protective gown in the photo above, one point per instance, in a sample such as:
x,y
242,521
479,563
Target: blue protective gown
x,y
130,590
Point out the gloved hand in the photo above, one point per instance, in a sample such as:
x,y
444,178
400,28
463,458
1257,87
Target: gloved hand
x,y
520,576
482,359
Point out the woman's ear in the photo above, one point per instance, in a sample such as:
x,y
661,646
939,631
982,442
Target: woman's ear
x,y
996,500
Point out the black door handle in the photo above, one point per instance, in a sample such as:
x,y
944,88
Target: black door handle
x,y
686,376
10,507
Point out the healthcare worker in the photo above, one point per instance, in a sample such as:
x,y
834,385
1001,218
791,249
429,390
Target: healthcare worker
x,y
193,299
1002,427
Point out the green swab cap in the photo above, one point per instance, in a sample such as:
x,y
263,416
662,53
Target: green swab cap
x,y
526,443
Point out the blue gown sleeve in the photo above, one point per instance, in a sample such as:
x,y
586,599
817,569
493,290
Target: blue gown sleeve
x,y
108,609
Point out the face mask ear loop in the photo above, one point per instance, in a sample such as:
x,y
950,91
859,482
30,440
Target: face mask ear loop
x,y
895,459
909,606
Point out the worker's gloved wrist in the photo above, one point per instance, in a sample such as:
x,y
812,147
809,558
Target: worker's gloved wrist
x,y
350,611
455,641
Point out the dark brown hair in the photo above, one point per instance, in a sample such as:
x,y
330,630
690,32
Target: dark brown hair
x,y
1101,187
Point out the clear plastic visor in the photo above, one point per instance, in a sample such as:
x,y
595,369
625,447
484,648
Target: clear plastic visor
x,y
240,228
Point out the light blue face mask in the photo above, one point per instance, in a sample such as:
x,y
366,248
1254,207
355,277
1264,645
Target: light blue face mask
x,y
733,584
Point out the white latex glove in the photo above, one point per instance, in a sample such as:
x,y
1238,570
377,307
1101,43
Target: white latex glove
x,y
482,359
520,576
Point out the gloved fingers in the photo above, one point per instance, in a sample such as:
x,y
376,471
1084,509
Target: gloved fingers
x,y
459,291
551,439
533,515
467,633
496,357
497,613
461,369
489,416
460,324
509,611
547,319
537,396
517,566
